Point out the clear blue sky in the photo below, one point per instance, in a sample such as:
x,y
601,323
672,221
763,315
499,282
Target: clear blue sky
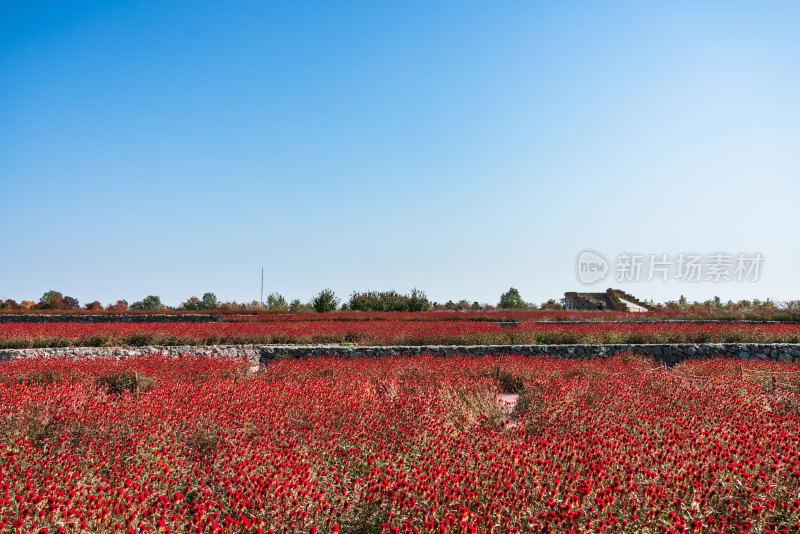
x,y
174,148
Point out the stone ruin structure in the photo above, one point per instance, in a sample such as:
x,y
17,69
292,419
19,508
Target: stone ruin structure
x,y
612,300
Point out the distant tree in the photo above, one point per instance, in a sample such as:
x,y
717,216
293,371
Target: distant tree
x,y
325,301
462,304
55,302
365,301
10,304
551,305
119,306
511,299
150,302
418,301
276,302
69,303
51,300
192,304
209,301
230,306
27,304
52,294
388,301
296,306
94,306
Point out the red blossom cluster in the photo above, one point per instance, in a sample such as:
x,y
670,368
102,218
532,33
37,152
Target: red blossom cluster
x,y
401,444
387,332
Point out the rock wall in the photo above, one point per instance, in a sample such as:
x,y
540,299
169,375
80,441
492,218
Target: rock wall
x,y
669,354
248,352
121,318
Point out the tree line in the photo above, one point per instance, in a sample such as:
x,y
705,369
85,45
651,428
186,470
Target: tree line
x,y
324,301
374,301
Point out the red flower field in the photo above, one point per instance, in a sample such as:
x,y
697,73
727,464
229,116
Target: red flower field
x,y
192,444
387,332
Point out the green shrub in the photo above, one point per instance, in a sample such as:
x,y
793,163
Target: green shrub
x,y
325,301
389,301
192,304
150,302
209,301
276,302
511,299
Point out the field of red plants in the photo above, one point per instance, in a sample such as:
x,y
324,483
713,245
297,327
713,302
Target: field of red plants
x,y
444,315
387,332
422,444
775,314
465,315
525,315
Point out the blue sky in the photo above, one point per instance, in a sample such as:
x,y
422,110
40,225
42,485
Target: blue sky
x,y
174,148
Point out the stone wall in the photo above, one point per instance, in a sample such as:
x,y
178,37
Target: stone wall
x,y
669,354
585,301
249,352
121,318
652,321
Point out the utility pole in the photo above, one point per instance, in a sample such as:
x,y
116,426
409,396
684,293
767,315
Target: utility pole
x,y
262,287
